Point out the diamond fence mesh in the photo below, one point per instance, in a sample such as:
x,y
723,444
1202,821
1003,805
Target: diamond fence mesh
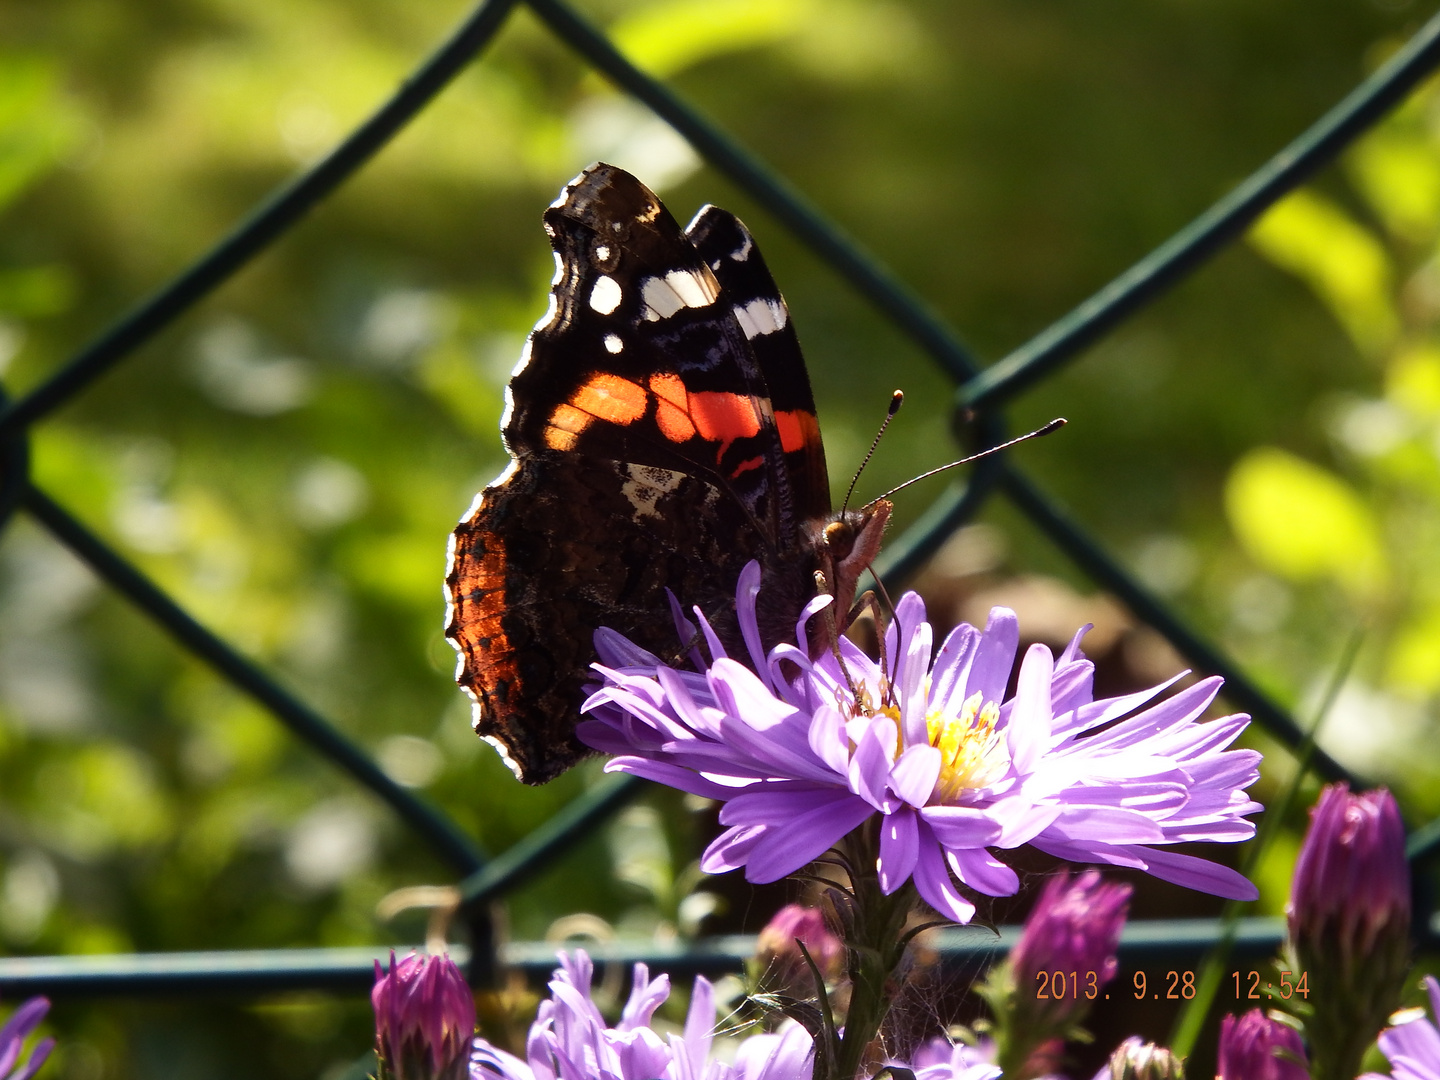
x,y
980,394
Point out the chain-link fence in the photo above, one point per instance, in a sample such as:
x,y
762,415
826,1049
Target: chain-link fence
x,y
979,399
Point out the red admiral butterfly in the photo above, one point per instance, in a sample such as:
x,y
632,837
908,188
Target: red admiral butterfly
x,y
664,434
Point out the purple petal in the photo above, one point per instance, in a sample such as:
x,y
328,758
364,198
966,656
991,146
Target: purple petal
x,y
617,651
787,847
1021,819
1028,732
899,848
699,1025
913,666
685,630
1072,686
1098,713
980,870
27,1017
1072,651
773,804
828,739
745,593
1109,825
646,995
1198,874
1091,852
816,605
670,775
37,1058
995,656
952,663
730,849
914,775
870,764
712,639
933,883
958,827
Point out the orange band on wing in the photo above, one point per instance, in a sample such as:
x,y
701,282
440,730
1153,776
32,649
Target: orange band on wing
x,y
798,429
610,398
723,418
745,466
670,414
605,397
566,424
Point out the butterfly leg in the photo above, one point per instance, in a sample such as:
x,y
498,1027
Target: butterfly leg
x,y
832,633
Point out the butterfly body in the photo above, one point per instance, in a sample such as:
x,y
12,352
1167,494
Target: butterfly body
x,y
663,434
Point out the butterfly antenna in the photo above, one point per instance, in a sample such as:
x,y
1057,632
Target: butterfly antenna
x,y
1053,425
896,400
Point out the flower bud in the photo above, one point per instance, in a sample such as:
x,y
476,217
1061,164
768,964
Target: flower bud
x,y
1066,952
424,1019
1258,1047
1135,1059
1349,922
782,965
1064,958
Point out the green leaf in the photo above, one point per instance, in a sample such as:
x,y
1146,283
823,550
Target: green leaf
x,y
673,35
1342,262
1302,522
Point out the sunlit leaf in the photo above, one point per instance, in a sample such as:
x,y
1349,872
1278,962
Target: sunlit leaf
x,y
672,35
1303,522
1344,263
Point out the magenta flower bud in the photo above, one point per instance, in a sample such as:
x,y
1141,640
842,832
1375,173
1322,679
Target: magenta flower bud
x,y
780,961
424,1019
1349,919
1135,1059
1060,965
1257,1047
1066,953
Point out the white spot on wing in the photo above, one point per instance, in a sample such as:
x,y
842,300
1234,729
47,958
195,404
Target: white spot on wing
x,y
696,290
613,343
605,296
742,253
559,268
679,288
602,252
645,487
761,316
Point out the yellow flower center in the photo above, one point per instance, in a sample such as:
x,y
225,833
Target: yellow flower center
x,y
972,752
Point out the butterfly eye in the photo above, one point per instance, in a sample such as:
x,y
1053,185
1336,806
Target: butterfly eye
x,y
839,539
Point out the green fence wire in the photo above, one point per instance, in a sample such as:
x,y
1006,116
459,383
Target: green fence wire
x,y
979,394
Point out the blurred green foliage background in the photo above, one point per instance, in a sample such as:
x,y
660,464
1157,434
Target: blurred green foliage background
x,y
1262,446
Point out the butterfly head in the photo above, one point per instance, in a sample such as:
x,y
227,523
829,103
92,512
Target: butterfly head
x,y
845,546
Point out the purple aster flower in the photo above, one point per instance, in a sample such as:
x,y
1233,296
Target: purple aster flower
x,y
424,1019
803,752
1257,1047
1135,1059
1412,1046
17,1029
1349,921
571,1041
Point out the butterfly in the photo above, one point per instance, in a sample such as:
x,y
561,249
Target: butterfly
x,y
662,434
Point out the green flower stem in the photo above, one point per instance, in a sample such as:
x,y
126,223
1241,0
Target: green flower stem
x,y
875,942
